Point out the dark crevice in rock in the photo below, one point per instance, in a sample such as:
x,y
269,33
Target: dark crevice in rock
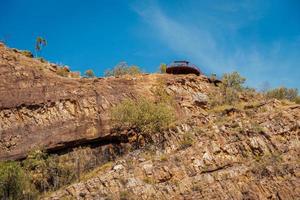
x,y
92,143
216,169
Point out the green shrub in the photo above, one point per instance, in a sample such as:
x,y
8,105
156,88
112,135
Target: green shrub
x,y
36,166
62,71
265,162
143,115
284,93
124,195
187,141
230,96
89,73
46,172
60,173
233,80
122,69
27,53
163,68
297,100
149,180
230,88
160,93
13,182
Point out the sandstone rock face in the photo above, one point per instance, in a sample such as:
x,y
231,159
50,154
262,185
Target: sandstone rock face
x,y
225,162
39,109
251,151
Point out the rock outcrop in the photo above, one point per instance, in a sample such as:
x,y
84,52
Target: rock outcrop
x,y
246,151
238,158
40,109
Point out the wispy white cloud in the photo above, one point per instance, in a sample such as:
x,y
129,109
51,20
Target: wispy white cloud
x,y
195,40
186,40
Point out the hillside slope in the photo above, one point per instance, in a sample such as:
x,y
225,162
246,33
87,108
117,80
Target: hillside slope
x,y
247,151
39,107
232,157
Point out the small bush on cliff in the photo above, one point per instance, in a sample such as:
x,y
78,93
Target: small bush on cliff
x,y
143,115
36,166
14,183
27,53
232,84
62,71
163,68
230,88
46,172
160,92
122,69
89,73
297,100
284,93
187,141
233,80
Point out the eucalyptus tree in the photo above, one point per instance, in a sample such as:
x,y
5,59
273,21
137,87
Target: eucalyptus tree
x,y
39,44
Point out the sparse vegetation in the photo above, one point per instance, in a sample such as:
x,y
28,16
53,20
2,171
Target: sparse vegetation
x,y
163,158
122,69
187,141
232,84
161,94
149,180
27,53
233,80
94,172
268,164
14,183
43,173
282,93
256,127
230,89
233,140
62,71
143,115
196,187
124,195
39,44
89,73
163,68
47,173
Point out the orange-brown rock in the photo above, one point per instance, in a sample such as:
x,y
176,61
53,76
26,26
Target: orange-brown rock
x,y
247,151
232,159
40,109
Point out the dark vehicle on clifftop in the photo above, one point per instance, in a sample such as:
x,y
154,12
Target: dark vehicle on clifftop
x,y
183,67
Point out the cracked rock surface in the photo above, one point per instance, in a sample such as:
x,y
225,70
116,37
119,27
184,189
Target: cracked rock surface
x,y
225,162
251,151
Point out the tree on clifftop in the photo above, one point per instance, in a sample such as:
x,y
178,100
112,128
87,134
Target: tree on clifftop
x,y
163,68
89,73
122,69
39,43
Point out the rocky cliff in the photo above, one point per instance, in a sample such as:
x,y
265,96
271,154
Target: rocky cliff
x,y
232,157
247,151
40,108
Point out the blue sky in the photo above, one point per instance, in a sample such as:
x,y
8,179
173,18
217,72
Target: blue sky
x,y
259,39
